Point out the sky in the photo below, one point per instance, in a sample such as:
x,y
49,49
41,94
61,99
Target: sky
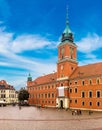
x,y
30,31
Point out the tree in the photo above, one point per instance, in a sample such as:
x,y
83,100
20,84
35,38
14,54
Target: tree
x,y
23,95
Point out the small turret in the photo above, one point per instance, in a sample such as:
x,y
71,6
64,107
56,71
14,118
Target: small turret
x,y
29,77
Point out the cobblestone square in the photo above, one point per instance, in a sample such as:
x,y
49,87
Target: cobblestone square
x,y
32,118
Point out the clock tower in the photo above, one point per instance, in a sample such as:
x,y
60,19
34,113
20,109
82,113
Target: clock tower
x,y
67,63
67,57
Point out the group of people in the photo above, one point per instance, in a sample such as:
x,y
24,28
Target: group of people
x,y
76,112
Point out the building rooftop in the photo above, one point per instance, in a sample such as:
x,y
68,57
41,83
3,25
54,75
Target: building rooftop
x,y
87,71
80,72
46,79
5,85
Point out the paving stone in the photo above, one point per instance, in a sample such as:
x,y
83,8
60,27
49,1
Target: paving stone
x,y
32,118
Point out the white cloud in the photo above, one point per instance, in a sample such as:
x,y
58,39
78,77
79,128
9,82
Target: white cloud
x,y
30,42
89,61
9,49
9,57
22,43
90,43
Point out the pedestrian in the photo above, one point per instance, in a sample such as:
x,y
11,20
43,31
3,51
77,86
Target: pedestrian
x,y
19,107
90,112
75,112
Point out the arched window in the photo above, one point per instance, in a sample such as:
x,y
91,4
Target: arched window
x,y
70,90
83,82
98,94
98,81
71,52
83,94
90,94
98,104
75,100
62,53
48,95
90,103
52,95
76,90
83,103
75,82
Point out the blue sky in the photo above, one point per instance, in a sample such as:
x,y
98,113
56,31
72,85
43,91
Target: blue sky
x,y
30,32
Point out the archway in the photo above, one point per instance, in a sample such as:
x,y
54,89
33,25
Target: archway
x,y
61,104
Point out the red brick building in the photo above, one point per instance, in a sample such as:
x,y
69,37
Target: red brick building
x,y
72,86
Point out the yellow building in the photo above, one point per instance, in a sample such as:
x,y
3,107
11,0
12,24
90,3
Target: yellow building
x,y
8,94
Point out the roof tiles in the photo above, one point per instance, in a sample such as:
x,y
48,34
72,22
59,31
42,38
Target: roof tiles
x,y
46,78
87,70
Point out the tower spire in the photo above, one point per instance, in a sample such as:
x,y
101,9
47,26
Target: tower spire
x,y
67,22
67,34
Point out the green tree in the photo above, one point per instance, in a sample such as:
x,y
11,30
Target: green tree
x,y
23,95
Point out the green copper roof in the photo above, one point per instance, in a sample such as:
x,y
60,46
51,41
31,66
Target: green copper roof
x,y
29,77
67,34
67,29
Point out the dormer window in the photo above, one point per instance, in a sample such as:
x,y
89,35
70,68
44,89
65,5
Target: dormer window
x,y
75,82
90,81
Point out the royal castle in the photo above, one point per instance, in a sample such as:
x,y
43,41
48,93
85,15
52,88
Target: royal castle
x,y
71,86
